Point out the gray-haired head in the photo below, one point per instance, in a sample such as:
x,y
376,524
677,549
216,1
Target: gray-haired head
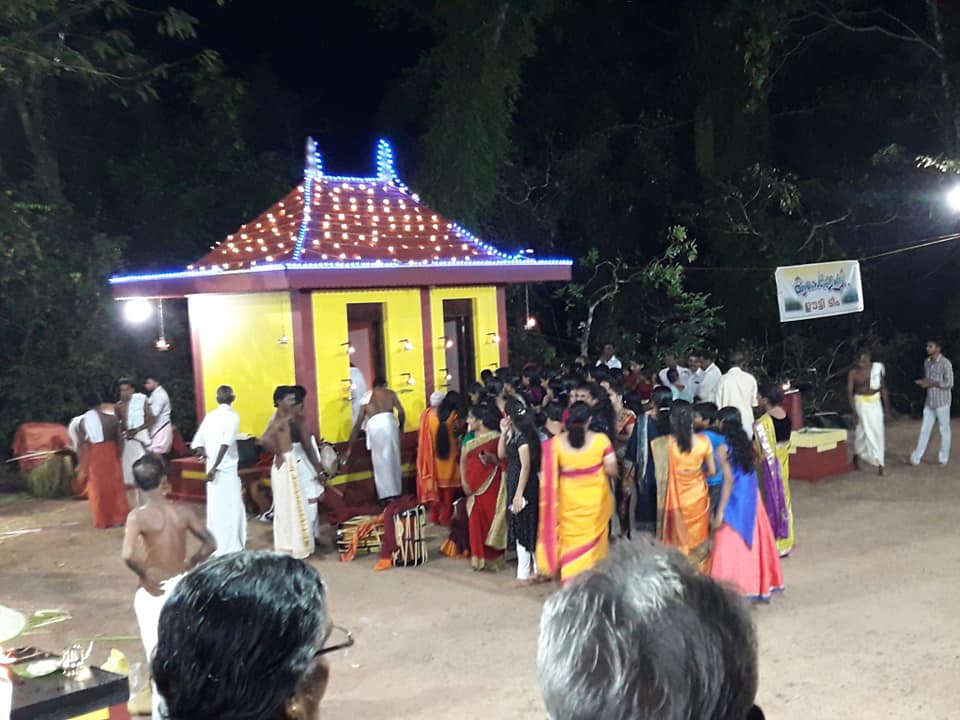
x,y
225,395
642,637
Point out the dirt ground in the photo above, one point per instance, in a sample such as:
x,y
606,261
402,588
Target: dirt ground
x,y
866,629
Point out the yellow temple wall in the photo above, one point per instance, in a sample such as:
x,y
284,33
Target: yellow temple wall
x,y
401,321
238,341
485,321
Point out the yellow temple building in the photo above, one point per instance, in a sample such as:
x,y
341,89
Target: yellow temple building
x,y
341,272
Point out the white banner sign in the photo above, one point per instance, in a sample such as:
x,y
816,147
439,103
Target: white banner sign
x,y
805,292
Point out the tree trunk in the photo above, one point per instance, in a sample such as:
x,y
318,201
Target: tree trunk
x,y
28,101
951,120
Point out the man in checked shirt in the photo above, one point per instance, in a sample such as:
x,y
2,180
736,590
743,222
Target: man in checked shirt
x,y
938,382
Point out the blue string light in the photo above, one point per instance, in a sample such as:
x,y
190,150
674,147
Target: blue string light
x,y
357,264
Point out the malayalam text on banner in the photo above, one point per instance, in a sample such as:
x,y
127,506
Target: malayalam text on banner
x,y
805,292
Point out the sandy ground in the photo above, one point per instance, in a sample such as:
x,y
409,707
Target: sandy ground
x,y
866,629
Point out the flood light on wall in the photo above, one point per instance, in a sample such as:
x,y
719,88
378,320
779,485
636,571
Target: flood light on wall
x,y
447,342
137,310
351,387
494,338
406,345
409,378
350,348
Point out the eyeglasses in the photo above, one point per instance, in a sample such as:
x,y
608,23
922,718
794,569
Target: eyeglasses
x,y
345,642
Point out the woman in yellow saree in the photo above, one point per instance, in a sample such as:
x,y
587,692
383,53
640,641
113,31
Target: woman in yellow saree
x,y
686,516
772,434
575,498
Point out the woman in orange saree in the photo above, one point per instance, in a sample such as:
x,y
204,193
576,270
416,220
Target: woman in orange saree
x,y
446,451
426,462
575,498
686,517
483,484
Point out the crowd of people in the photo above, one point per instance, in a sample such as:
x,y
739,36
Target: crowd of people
x,y
690,463
556,465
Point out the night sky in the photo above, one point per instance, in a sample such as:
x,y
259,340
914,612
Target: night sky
x,y
333,54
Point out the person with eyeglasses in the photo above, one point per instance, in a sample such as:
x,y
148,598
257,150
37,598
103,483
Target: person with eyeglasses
x,y
247,635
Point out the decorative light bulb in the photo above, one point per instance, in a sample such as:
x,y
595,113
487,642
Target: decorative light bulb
x,y
137,311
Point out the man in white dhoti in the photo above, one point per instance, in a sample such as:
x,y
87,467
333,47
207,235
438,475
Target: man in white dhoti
x,y
291,477
306,453
136,417
867,393
155,548
216,440
161,432
384,430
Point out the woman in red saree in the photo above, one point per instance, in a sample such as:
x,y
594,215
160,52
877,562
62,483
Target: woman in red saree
x,y
483,484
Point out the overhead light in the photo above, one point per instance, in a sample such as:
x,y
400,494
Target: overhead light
x,y
953,199
137,310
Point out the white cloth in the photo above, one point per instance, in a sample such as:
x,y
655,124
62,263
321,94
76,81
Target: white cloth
x,y
738,389
147,609
93,426
226,516
133,449
710,383
309,482
73,430
684,376
869,438
526,563
612,363
358,392
877,372
218,428
695,379
940,416
292,533
136,410
161,433
383,442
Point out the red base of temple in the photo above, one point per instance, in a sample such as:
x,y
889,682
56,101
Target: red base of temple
x,y
188,483
811,466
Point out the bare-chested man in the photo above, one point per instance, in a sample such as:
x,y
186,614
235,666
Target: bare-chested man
x,y
155,548
867,393
297,478
383,438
